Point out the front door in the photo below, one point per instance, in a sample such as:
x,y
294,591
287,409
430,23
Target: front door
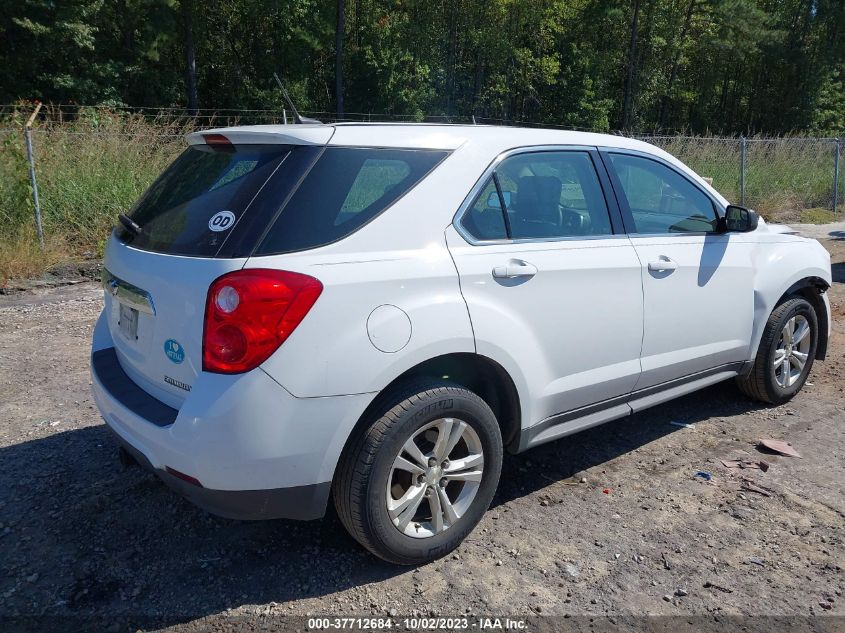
x,y
697,283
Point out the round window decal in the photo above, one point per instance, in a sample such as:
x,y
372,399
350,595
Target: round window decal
x,y
221,221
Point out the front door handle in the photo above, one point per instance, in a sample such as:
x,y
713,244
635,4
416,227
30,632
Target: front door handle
x,y
663,264
514,268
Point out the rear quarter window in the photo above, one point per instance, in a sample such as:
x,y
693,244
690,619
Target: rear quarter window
x,y
346,189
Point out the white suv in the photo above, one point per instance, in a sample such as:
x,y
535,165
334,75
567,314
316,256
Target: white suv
x,y
374,313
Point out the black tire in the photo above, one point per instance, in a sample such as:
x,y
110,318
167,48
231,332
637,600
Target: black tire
x,y
761,383
360,484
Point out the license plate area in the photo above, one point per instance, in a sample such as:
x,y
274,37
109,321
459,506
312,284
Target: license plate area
x,y
127,322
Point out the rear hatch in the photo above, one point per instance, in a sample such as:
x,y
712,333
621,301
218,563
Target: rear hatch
x,y
232,195
199,220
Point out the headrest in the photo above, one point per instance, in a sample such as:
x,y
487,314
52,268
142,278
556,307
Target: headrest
x,y
538,198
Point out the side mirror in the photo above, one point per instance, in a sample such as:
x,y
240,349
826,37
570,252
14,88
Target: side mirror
x,y
493,200
739,220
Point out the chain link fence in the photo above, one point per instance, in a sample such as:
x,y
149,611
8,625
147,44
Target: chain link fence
x,y
790,179
792,174
86,174
93,163
712,157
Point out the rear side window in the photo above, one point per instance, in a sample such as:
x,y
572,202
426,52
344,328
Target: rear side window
x,y
484,220
195,204
346,188
547,195
376,176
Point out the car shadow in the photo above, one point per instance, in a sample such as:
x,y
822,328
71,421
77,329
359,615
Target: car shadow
x,y
563,459
93,540
117,544
712,254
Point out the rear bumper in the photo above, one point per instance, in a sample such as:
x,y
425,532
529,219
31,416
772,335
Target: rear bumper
x,y
256,451
297,502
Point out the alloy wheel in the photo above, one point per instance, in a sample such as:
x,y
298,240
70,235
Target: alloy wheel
x,y
435,477
792,351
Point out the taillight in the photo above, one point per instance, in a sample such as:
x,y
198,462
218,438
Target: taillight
x,y
250,313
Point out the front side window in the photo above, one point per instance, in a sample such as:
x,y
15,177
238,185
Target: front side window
x,y
346,188
660,199
546,195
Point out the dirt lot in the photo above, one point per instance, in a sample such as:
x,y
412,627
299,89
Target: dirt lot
x,y
609,522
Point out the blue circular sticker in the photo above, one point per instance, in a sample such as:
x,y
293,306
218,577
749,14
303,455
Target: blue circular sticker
x,y
174,350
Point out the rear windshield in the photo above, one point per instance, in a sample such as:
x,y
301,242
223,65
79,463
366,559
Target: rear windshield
x,y
194,205
346,188
219,200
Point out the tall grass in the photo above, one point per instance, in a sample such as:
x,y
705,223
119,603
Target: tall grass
x,y
96,165
715,158
784,177
89,170
21,256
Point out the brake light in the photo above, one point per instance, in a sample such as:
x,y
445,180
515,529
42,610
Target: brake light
x,y
216,139
250,313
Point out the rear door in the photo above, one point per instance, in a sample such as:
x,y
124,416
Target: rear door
x,y
697,283
552,284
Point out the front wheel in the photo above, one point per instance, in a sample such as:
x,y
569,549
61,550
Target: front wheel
x,y
786,353
419,477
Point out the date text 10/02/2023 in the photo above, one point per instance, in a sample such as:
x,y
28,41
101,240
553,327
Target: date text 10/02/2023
x,y
418,624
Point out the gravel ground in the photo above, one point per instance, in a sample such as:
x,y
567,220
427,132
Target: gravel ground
x,y
612,521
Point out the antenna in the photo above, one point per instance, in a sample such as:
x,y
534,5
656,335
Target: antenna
x,y
298,118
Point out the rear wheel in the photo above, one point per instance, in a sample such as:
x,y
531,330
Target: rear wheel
x,y
419,477
786,353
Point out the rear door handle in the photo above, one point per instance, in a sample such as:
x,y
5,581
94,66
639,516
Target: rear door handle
x,y
662,264
514,268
